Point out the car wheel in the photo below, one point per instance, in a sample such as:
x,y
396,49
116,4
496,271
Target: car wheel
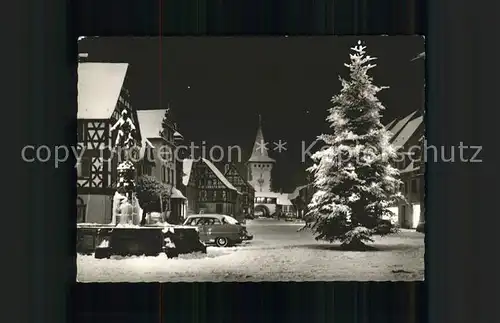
x,y
221,242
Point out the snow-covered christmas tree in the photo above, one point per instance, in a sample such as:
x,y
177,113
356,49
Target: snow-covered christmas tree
x,y
354,180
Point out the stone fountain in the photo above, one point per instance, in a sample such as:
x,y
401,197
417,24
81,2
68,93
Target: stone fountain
x,y
125,235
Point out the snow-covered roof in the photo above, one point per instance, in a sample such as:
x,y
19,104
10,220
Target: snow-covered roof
x,y
266,194
410,168
389,125
283,199
419,56
178,136
401,123
176,194
99,87
296,192
250,186
187,166
408,131
145,144
219,175
150,122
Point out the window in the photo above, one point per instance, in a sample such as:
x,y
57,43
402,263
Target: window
x,y
414,186
81,210
163,173
230,220
166,154
406,187
83,167
210,221
210,195
218,208
172,180
192,221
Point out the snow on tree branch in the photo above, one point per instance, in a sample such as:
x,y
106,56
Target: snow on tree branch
x,y
353,176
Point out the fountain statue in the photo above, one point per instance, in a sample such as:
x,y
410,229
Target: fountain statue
x,y
126,210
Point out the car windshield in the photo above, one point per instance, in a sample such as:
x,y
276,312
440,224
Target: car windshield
x,y
191,221
230,220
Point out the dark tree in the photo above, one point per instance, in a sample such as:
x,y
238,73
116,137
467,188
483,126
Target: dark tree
x,y
153,195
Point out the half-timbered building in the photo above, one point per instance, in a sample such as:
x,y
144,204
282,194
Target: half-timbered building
x,y
234,176
408,140
159,161
102,96
207,190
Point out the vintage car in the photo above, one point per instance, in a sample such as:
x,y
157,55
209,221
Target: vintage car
x,y
221,230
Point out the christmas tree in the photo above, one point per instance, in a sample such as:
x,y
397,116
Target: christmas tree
x,y
354,180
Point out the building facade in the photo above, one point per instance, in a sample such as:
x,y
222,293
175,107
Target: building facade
x,y
102,97
242,185
408,139
158,157
208,191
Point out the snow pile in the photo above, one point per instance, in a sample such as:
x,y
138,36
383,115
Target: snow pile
x,y
104,244
169,244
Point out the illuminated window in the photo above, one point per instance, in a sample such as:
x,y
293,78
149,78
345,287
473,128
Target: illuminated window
x,y
83,167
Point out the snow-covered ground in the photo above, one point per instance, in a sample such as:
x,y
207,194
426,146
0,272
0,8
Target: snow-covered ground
x,y
278,253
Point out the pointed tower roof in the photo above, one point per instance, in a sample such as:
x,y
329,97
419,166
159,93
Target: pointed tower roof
x,y
260,147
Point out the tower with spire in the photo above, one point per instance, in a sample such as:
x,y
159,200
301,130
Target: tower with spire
x,y
259,164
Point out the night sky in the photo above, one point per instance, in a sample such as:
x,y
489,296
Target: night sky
x,y
217,87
